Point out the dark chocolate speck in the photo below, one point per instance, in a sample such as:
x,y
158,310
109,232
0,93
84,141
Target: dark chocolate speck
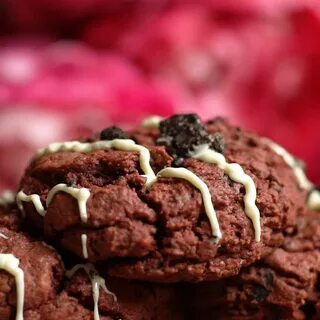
x,y
113,133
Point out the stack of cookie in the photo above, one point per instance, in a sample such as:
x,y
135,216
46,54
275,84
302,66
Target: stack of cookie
x,y
177,219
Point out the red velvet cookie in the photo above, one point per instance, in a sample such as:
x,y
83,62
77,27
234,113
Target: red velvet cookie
x,y
40,268
283,285
159,230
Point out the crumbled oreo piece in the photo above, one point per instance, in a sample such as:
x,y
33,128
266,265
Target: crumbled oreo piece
x,y
182,133
113,133
217,142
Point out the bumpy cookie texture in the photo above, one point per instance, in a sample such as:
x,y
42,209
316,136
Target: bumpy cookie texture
x,y
284,285
63,307
42,269
163,233
135,300
10,217
186,251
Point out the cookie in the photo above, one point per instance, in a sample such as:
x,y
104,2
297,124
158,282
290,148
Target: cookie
x,y
129,300
30,274
10,218
283,285
157,210
63,307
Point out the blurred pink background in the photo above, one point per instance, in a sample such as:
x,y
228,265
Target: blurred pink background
x,y
71,66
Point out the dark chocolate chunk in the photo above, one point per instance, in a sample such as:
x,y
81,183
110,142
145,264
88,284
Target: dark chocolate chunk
x,y
182,133
113,133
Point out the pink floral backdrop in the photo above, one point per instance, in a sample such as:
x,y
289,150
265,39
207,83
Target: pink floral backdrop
x,y
71,66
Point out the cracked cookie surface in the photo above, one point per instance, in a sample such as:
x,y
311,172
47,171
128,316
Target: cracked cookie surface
x,y
162,233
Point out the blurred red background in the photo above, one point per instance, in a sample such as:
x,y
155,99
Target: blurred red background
x,y
71,66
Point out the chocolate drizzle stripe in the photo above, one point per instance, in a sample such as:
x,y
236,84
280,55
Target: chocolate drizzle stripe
x,y
84,240
119,144
34,198
10,263
152,122
183,173
3,236
235,172
313,201
290,160
81,194
97,282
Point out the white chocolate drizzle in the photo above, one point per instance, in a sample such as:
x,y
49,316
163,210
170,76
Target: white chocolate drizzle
x,y
152,122
291,161
10,263
183,173
81,194
3,236
119,144
34,198
6,198
97,282
313,201
84,240
235,172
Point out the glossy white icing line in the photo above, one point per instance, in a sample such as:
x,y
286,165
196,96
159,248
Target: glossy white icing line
x,y
34,198
10,264
3,236
80,194
235,172
84,240
6,198
119,144
313,200
183,173
152,122
97,282
290,160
